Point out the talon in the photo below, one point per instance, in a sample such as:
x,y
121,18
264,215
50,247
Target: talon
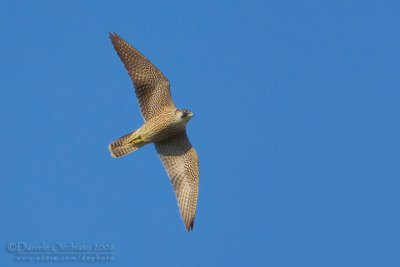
x,y
135,139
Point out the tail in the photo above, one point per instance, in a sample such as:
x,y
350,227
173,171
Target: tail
x,y
126,144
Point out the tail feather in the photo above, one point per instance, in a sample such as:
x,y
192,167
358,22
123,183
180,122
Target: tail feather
x,y
125,145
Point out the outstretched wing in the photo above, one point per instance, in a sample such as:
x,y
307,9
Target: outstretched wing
x,y
182,164
151,86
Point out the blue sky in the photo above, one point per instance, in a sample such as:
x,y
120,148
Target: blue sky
x,y
296,125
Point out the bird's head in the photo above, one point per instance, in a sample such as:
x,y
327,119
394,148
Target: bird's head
x,y
184,114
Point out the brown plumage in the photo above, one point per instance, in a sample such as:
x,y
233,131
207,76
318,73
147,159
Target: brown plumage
x,y
165,126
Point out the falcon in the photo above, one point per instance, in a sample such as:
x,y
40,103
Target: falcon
x,y
164,126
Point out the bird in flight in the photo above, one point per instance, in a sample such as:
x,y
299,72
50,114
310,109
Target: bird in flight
x,y
164,125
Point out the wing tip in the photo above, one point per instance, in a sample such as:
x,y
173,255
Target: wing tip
x,y
113,36
189,225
